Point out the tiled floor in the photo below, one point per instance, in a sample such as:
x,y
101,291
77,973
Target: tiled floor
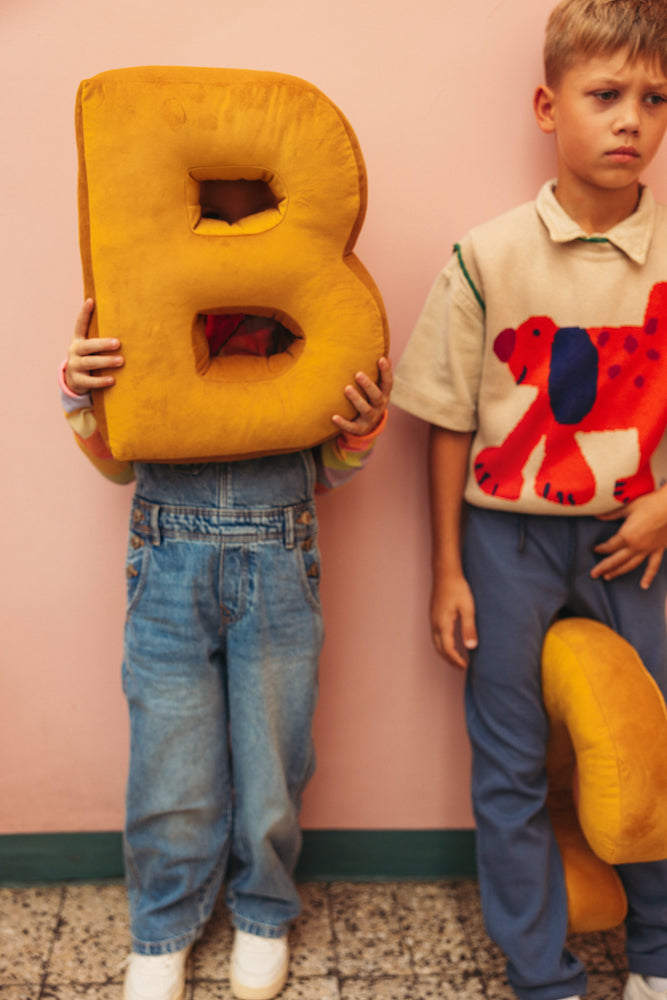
x,y
381,941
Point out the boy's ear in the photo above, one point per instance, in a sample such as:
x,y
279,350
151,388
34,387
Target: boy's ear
x,y
544,108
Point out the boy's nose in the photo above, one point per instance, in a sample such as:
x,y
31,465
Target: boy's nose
x,y
628,119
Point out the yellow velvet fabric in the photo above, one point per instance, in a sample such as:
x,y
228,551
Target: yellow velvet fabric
x,y
606,764
149,139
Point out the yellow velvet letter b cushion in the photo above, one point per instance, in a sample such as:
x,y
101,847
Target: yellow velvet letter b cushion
x,y
153,144
606,765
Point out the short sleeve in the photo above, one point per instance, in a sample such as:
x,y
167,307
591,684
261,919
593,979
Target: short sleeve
x,y
437,378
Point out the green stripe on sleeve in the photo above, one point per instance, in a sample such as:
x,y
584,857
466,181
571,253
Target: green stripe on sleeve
x,y
466,274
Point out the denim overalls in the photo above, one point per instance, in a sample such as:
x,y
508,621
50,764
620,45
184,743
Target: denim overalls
x,y
222,639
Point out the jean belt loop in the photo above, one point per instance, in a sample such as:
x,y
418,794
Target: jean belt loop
x,y
155,523
290,540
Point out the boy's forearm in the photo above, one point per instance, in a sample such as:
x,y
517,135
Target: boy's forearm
x,y
452,603
449,453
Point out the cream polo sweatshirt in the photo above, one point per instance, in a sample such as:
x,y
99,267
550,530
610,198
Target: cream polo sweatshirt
x,y
551,346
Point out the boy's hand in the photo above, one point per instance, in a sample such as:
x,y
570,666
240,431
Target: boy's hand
x,y
85,357
453,620
642,536
369,400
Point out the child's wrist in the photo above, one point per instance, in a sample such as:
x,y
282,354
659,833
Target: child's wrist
x,y
62,381
363,441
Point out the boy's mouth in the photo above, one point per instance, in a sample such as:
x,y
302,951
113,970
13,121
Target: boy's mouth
x,y
623,154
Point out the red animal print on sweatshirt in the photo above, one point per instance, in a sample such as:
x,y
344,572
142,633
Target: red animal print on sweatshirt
x,y
601,379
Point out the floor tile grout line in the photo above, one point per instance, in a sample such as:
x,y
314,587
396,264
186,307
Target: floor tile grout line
x,y
481,977
403,930
336,973
54,937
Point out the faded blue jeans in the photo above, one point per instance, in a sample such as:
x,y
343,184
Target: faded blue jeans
x,y
222,640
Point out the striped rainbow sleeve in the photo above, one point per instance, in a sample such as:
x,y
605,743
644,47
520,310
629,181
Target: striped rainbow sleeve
x,y
339,459
81,419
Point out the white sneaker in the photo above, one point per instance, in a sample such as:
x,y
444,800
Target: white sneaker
x,y
258,966
156,977
637,988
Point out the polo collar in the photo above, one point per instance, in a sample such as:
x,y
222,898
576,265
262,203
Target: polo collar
x,y
632,236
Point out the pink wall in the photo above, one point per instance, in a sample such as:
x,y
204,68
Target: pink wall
x,y
439,93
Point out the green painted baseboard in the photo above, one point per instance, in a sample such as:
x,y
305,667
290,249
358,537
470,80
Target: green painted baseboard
x,y
327,855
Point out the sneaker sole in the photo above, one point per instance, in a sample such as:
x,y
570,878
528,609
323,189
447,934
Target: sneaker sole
x,y
244,992
176,996
180,995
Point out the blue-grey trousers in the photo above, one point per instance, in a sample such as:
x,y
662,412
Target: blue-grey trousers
x,y
524,570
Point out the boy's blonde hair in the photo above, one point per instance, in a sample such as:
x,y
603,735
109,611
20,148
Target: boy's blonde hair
x,y
579,28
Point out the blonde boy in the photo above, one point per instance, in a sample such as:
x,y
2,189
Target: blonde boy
x,y
539,361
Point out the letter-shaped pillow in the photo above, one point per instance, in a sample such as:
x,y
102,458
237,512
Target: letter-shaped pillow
x,y
152,144
609,737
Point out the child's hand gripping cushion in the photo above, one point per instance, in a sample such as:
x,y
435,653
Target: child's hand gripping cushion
x,y
151,142
606,765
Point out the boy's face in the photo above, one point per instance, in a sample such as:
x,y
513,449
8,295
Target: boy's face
x,y
609,117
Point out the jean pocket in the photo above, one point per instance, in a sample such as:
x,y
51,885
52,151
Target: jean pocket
x,y
308,555
136,569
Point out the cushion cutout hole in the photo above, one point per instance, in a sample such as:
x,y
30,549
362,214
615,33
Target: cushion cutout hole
x,y
237,333
243,344
233,200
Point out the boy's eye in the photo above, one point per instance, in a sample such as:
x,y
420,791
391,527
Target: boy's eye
x,y
655,100
606,95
